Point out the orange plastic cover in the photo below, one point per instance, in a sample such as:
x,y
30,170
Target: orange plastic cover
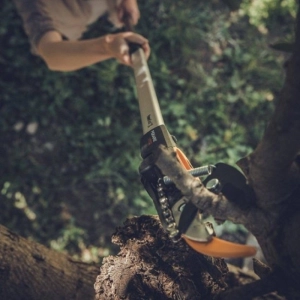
x,y
215,247
220,248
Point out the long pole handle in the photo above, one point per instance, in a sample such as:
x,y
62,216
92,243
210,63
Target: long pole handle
x,y
149,107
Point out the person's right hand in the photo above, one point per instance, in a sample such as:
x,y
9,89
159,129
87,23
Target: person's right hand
x,y
117,45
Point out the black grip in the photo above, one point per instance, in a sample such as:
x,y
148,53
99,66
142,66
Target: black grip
x,y
133,47
129,27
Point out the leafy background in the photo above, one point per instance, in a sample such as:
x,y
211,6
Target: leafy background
x,y
69,142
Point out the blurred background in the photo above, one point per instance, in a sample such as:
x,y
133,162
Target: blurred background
x,y
69,142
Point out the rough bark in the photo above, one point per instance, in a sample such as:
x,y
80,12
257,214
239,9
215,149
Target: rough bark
x,y
150,266
30,271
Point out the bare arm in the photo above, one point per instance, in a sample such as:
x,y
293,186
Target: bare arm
x,y
61,55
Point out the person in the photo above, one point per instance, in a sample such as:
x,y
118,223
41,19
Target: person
x,y
55,28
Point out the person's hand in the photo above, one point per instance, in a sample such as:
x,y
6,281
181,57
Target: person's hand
x,y
128,9
117,45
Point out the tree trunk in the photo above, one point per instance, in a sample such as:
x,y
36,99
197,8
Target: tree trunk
x,y
29,271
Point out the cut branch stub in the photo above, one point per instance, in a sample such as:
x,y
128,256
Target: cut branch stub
x,y
150,266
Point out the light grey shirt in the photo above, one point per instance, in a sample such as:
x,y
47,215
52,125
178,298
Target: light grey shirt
x,y
69,17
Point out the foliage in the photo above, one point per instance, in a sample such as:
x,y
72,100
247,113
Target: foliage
x,y
70,141
267,12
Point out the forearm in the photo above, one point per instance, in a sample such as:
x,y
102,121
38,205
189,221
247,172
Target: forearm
x,y
73,55
62,55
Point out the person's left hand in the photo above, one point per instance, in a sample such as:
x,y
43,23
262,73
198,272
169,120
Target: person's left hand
x,y
117,45
130,10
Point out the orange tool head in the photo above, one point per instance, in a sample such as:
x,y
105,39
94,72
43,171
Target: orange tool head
x,y
220,248
214,246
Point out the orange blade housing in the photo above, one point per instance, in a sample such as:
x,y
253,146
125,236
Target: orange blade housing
x,y
215,247
220,248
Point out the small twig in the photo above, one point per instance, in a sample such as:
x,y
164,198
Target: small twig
x,y
260,269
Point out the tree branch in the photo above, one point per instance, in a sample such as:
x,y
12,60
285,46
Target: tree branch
x,y
271,169
216,205
31,271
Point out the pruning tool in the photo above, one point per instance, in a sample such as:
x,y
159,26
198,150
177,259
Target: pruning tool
x,y
180,218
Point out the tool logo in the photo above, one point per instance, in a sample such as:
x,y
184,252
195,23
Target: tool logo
x,y
154,138
149,120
